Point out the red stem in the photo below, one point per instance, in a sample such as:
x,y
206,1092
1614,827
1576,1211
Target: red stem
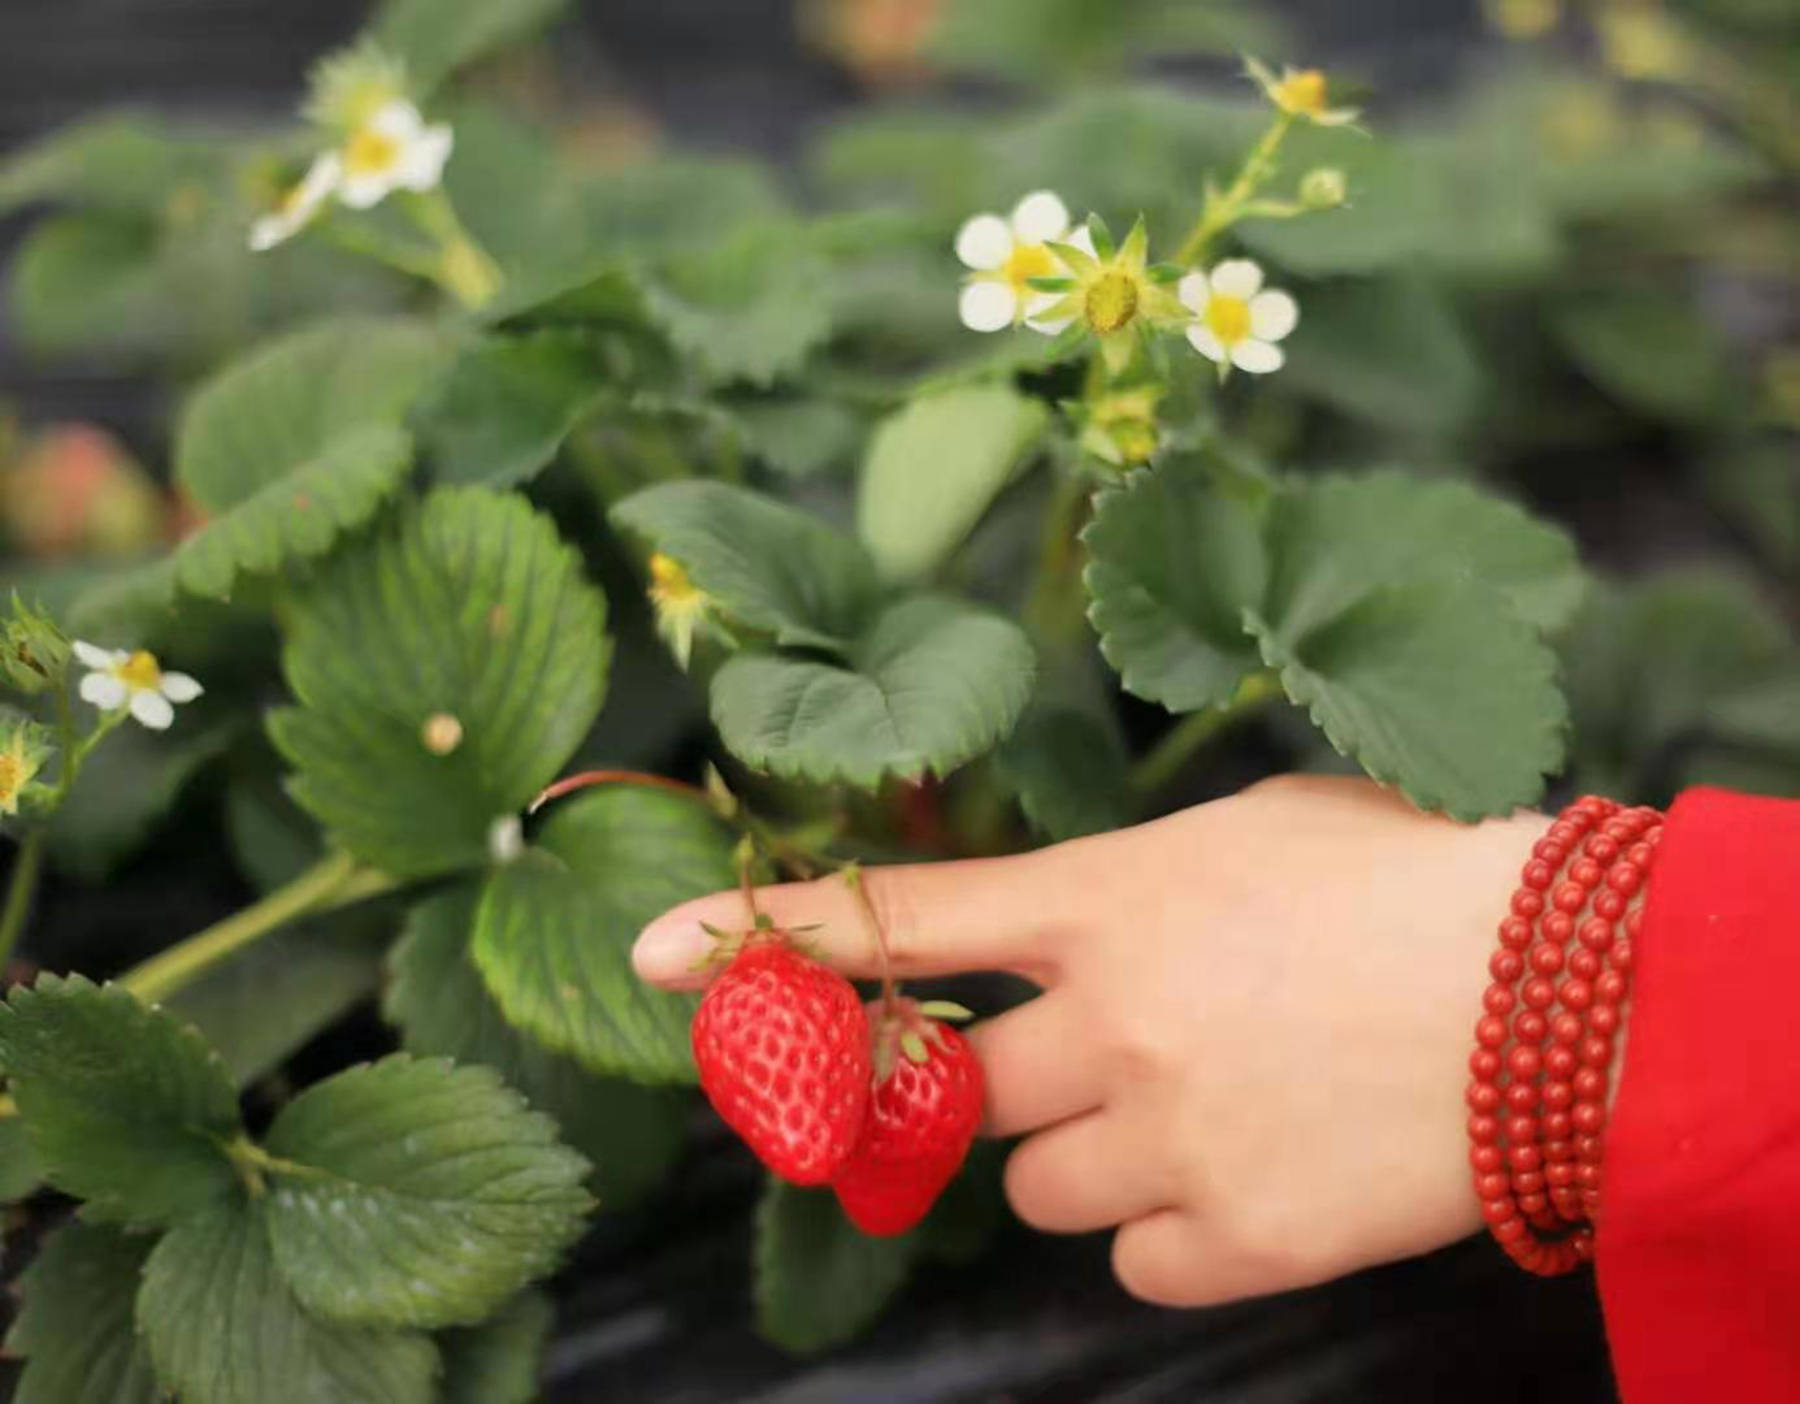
x,y
585,778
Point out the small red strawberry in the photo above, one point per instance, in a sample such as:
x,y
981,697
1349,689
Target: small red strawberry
x,y
922,1116
782,1044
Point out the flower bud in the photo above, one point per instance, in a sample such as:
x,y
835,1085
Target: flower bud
x,y
1323,188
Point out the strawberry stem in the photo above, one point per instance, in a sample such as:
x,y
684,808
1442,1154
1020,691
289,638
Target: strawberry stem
x,y
584,779
852,874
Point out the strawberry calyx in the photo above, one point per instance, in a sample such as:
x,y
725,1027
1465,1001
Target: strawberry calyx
x,y
906,1028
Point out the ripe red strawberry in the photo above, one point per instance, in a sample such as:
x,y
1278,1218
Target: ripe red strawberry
x,y
921,1119
783,1050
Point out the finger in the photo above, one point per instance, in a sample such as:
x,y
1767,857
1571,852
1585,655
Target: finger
x,y
1180,1258
939,918
1084,1175
1037,1067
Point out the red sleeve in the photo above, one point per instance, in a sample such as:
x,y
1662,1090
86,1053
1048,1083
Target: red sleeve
x,y
1698,1243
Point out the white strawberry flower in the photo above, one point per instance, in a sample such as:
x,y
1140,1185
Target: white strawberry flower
x,y
1005,254
120,678
393,150
1236,320
299,204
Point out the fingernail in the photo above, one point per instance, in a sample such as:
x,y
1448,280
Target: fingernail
x,y
669,948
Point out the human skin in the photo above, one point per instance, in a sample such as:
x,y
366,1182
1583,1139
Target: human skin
x,y
1250,1049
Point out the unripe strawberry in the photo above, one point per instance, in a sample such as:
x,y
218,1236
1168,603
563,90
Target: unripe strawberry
x,y
921,1120
782,1045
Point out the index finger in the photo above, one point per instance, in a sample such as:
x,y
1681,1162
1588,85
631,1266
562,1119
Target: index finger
x,y
939,919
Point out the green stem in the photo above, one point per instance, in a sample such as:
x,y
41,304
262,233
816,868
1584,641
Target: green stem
x,y
20,888
417,263
1165,760
1222,211
1044,611
462,267
334,881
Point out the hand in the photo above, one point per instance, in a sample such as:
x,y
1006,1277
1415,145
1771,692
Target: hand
x,y
1250,1050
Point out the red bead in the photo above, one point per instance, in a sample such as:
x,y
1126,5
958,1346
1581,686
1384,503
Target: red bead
x,y
1546,959
1604,1018
1559,1062
1515,933
1577,994
1530,1026
1538,993
1557,1125
1521,1129
1623,877
1620,956
1621,829
1506,966
1587,1176
1537,874
1484,1130
1497,1211
1486,1160
1521,1097
1557,1153
1550,851
1527,904
1569,897
1585,963
1609,904
1600,848
1610,988
1510,1230
1560,1174
1528,1182
1596,1051
1583,1243
1498,999
1533,1203
1589,1118
1590,1148
1523,1159
1566,832
1557,1095
1596,933
1485,1064
1568,1203
1565,1028
1634,921
1589,1084
1558,927
1522,1060
1491,1031
1492,1185
1585,872
1482,1097
1641,854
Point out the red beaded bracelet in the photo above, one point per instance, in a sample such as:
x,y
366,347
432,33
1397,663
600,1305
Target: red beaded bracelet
x,y
1544,1047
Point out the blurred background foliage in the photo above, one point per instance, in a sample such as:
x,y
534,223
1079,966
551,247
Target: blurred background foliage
x,y
1568,269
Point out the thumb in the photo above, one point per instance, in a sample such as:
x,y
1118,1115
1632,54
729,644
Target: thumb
x,y
939,919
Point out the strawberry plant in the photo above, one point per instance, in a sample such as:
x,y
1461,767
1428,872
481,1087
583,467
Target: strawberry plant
x,y
563,537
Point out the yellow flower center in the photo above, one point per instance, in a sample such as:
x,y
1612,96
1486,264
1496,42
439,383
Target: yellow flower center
x,y
140,671
441,734
1112,301
370,153
11,777
1025,262
1228,318
1302,92
669,583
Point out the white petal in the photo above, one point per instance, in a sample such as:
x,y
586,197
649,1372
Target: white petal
x,y
104,690
1040,216
1257,357
151,708
359,192
320,180
398,121
1273,314
1236,277
987,306
1193,291
271,230
1040,303
421,164
984,242
1206,342
93,656
1082,238
179,687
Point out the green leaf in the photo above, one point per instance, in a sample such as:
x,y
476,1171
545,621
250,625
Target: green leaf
x,y
468,606
1174,562
766,566
630,1134
272,839
800,437
75,1328
437,37
20,1172
125,1105
1651,349
503,412
819,1282
933,468
277,410
299,515
418,1193
1068,769
321,969
84,282
933,683
222,1326
498,1361
747,308
129,162
554,929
